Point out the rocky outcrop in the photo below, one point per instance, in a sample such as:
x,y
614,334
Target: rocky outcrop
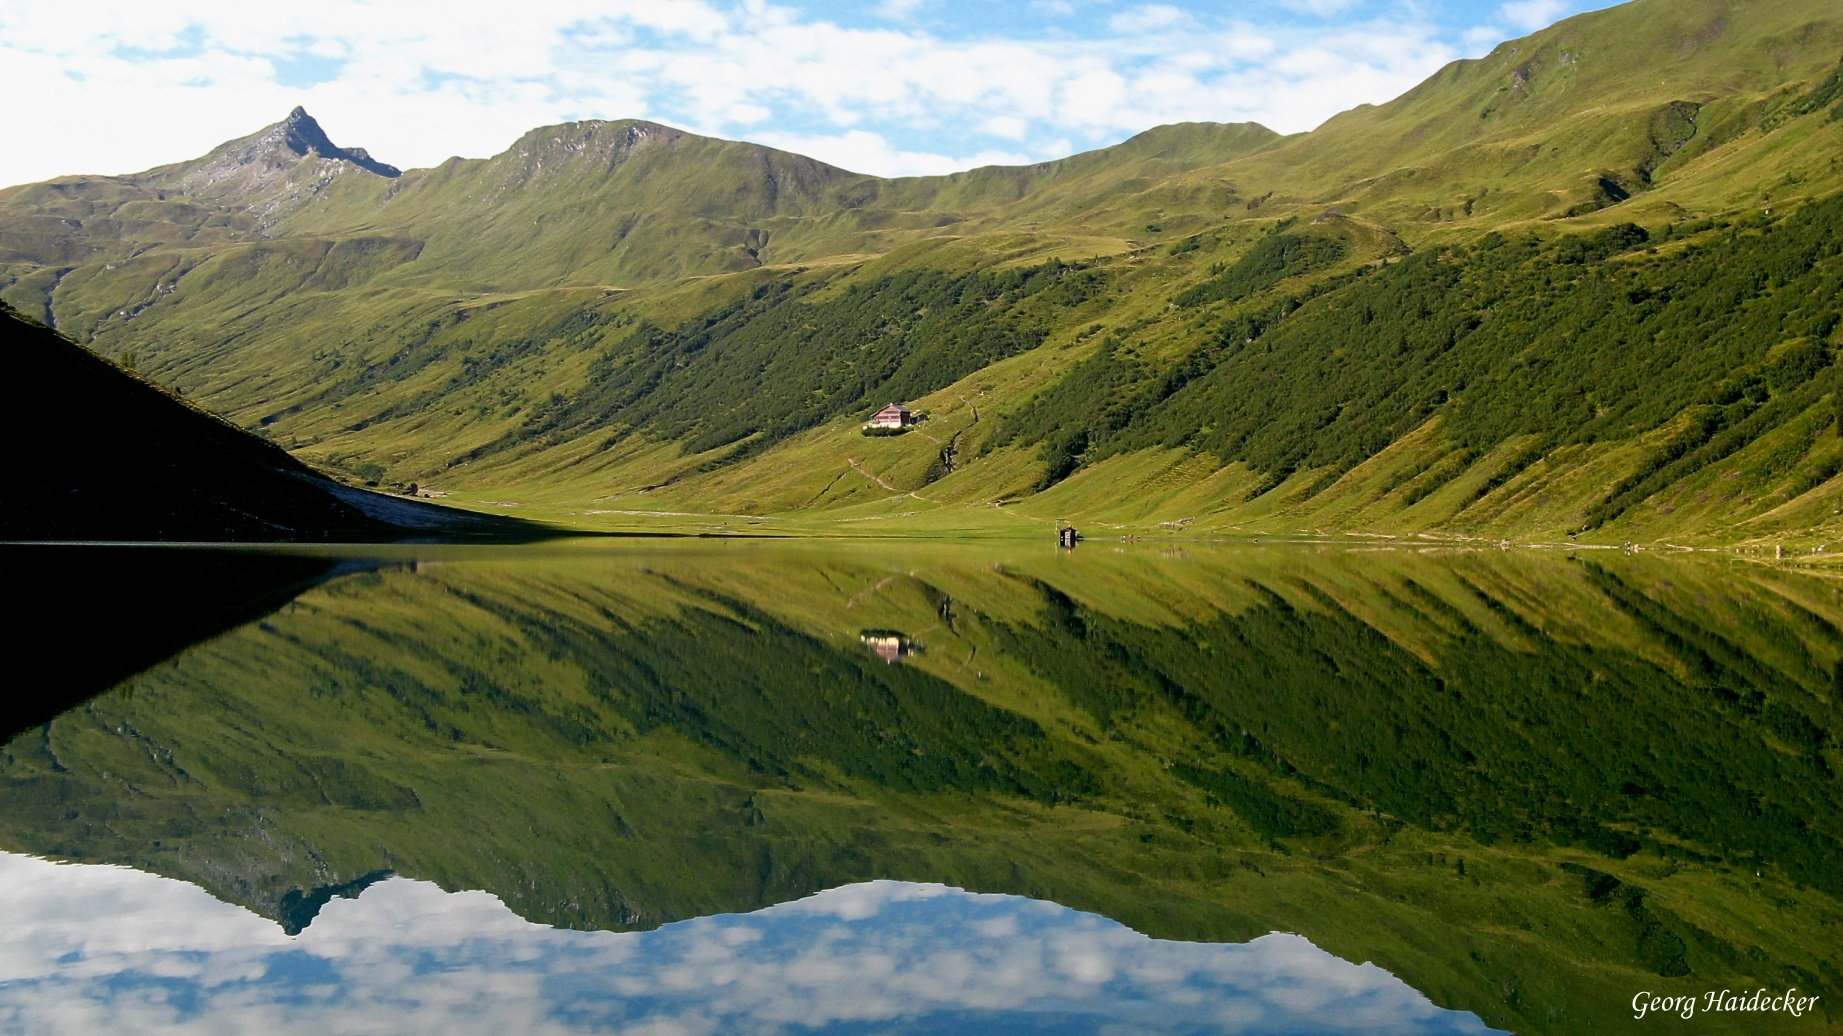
x,y
269,171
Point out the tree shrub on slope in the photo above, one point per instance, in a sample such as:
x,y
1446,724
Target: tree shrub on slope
x,y
780,361
1575,341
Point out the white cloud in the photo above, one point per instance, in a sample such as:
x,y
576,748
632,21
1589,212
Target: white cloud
x,y
1150,18
107,949
1530,15
1009,127
1480,39
862,151
137,84
900,10
1321,8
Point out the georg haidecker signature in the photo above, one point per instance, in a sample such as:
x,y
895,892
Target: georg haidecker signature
x,y
1686,1006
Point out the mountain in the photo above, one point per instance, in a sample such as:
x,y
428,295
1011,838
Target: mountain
x,y
589,203
1574,288
235,193
1655,108
269,171
112,457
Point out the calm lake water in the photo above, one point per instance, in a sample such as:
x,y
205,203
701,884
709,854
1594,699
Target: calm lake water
x,y
759,787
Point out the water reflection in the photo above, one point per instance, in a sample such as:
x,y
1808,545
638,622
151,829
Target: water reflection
x,y
1528,786
889,645
85,619
93,949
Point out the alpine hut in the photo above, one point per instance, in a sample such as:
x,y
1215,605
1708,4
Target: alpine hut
x,y
893,416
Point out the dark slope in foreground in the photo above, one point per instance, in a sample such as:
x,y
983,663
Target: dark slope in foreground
x,y
99,454
154,602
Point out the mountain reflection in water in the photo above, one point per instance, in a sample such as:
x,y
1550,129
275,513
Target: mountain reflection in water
x,y
1528,786
108,949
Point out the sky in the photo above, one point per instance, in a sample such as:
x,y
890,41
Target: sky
x,y
891,87
88,949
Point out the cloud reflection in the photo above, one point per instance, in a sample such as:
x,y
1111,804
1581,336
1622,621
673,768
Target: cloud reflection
x,y
108,949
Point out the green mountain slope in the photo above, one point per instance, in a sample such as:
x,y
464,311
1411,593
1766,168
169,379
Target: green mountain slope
x,y
589,203
1674,104
1725,342
112,457
1577,287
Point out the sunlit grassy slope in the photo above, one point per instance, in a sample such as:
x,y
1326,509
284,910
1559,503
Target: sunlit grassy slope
x,y
1582,286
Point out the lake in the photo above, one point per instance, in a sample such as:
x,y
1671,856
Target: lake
x,y
756,786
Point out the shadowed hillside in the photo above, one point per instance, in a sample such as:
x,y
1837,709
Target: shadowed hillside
x,y
153,601
104,455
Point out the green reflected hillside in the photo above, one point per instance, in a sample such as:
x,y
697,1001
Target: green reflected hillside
x,y
1529,785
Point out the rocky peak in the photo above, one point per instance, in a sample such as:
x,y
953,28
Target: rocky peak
x,y
269,172
301,134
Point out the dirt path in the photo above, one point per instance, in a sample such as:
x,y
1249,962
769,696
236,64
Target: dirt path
x,y
823,492
949,451
855,467
894,489
866,592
